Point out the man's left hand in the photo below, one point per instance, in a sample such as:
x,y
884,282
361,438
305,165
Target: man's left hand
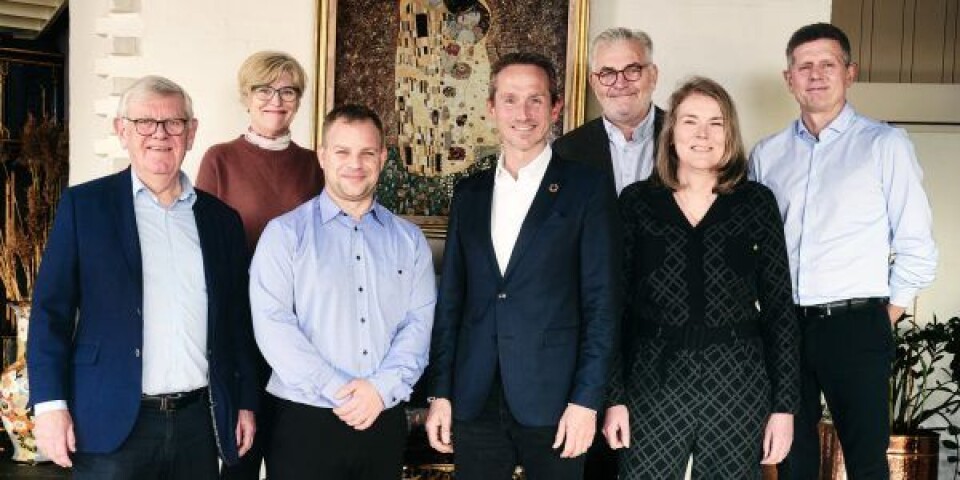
x,y
246,429
363,404
895,312
575,431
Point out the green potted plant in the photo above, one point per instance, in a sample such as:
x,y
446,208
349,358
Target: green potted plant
x,y
923,381
923,387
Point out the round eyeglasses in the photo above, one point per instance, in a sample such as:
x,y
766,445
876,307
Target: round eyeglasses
x,y
265,93
148,126
631,73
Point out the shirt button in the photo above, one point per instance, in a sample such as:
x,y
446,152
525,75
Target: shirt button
x,y
363,320
358,257
502,296
361,289
364,352
136,352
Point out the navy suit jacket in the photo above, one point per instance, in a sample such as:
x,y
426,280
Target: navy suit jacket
x,y
550,322
589,143
86,329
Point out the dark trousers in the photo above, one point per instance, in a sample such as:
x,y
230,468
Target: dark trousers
x,y
847,357
249,466
601,462
171,445
490,447
313,443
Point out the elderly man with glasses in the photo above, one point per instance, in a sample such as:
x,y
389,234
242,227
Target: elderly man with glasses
x,y
623,141
141,352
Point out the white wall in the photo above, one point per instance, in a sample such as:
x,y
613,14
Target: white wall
x,y
197,43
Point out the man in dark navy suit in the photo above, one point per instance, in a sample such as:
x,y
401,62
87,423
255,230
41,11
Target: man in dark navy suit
x,y
141,354
527,312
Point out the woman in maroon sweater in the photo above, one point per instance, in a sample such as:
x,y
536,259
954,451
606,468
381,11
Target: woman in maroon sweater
x,y
263,174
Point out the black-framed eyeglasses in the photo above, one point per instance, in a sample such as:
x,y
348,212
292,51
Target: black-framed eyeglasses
x,y
265,93
148,126
631,73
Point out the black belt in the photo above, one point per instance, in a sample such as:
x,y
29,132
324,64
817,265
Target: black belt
x,y
694,337
840,307
169,402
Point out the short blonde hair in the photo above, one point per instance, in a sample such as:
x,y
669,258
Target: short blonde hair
x,y
264,68
732,170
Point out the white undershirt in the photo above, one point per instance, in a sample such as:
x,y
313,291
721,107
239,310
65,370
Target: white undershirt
x,y
511,202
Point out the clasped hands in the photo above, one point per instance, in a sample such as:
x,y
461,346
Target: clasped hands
x,y
361,404
575,430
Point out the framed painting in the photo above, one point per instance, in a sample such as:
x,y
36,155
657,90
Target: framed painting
x,y
424,66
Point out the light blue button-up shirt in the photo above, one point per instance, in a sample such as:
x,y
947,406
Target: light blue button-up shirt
x,y
174,291
632,159
856,218
334,299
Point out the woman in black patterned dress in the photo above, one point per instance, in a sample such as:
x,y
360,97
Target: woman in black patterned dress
x,y
710,357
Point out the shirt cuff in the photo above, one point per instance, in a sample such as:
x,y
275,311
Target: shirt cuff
x,y
328,390
903,297
49,406
392,390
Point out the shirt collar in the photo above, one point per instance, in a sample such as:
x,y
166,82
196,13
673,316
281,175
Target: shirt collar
x,y
833,129
187,192
329,210
531,171
643,132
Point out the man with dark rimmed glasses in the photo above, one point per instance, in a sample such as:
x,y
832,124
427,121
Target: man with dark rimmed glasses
x,y
141,351
623,140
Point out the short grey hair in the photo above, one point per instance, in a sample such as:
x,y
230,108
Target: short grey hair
x,y
154,85
621,34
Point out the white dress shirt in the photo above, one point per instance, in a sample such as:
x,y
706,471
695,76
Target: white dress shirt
x,y
632,159
512,198
851,200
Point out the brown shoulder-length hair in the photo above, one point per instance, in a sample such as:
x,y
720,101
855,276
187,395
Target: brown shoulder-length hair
x,y
732,169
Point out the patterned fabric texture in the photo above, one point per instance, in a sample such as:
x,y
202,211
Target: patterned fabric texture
x,y
709,401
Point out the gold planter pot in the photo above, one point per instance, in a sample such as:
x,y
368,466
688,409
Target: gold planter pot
x,y
911,457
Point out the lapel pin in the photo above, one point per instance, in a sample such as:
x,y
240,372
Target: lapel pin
x,y
553,188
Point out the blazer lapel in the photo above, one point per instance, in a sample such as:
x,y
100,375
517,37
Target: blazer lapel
x,y
127,224
482,204
539,211
207,231
601,142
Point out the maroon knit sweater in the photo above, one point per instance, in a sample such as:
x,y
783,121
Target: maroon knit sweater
x,y
260,184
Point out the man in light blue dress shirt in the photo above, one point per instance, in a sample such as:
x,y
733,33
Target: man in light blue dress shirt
x,y
858,231
342,294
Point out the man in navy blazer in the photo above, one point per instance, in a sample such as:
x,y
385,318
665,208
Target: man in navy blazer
x,y
528,305
140,352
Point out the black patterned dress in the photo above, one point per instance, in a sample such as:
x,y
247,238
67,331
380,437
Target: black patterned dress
x,y
710,335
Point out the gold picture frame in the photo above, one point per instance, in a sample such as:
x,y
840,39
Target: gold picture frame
x,y
369,38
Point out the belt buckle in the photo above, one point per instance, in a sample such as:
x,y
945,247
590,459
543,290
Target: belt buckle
x,y
165,404
829,311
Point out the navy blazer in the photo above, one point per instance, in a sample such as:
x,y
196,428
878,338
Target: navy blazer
x,y
550,322
589,143
86,329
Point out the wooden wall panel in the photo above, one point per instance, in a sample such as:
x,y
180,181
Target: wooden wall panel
x,y
902,41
